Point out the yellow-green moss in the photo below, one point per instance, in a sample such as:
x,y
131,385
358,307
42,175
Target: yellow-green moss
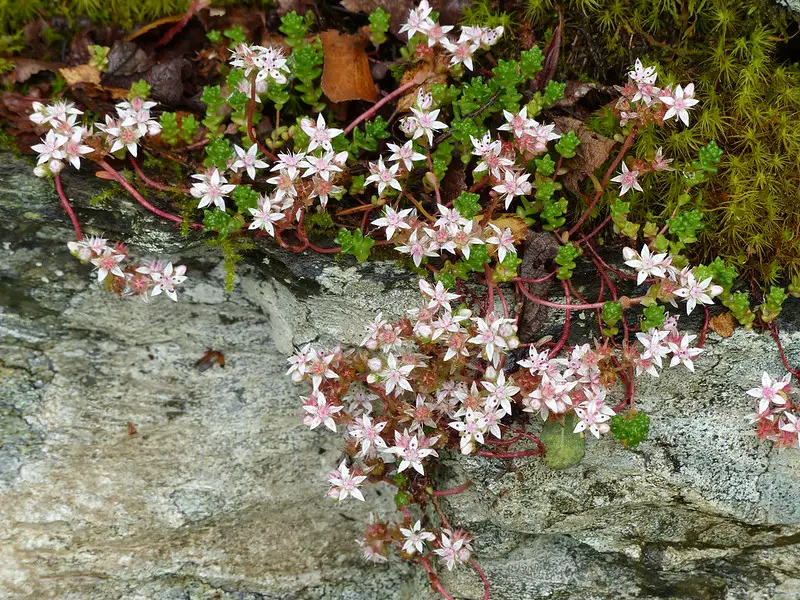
x,y
750,104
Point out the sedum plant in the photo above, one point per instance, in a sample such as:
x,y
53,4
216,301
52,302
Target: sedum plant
x,y
441,376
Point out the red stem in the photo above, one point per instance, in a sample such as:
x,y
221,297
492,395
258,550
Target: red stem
x,y
490,291
564,334
508,455
453,491
567,307
68,208
482,575
139,198
599,193
194,7
776,336
537,280
434,579
153,184
369,113
251,108
594,231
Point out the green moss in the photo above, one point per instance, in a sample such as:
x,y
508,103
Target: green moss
x,y
750,104
14,14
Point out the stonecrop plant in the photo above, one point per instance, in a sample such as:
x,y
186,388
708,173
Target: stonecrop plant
x,y
463,370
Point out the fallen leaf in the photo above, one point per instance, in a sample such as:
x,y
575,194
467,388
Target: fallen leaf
x,y
345,72
723,324
25,68
126,59
517,226
576,90
425,75
592,152
80,74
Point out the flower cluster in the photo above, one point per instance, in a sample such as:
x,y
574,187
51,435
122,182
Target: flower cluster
x,y
119,273
777,416
296,179
452,233
462,49
643,101
133,122
63,142
439,378
674,283
267,63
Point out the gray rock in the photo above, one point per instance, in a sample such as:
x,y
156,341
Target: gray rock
x,y
790,4
220,493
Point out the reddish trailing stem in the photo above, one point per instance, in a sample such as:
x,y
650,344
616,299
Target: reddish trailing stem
x,y
537,280
594,231
434,579
139,198
251,108
453,491
371,112
568,307
490,289
509,455
68,208
193,9
773,329
154,184
564,334
626,144
482,575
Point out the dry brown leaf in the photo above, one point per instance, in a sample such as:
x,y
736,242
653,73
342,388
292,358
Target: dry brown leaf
x,y
345,72
80,74
25,68
723,324
517,226
425,76
592,152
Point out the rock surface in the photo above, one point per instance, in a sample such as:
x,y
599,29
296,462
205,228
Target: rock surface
x,y
220,493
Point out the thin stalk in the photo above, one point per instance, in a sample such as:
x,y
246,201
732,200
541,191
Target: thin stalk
x,y
139,198
68,208
371,112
